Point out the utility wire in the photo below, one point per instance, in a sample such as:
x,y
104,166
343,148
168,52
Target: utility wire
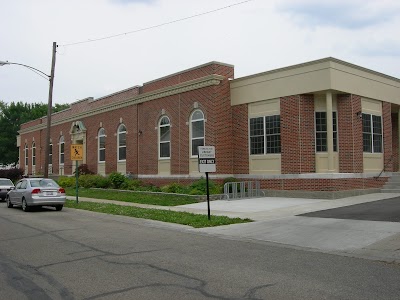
x,y
155,26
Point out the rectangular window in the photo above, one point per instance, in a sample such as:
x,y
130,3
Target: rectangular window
x,y
321,132
265,135
372,133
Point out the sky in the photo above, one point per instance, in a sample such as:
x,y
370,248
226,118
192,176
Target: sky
x,y
255,36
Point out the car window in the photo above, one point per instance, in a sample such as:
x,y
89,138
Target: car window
x,y
23,185
18,186
43,183
6,182
48,183
34,183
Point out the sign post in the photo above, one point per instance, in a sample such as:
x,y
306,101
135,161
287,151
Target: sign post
x,y
207,164
76,154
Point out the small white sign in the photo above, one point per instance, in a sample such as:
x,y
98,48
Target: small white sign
x,y
206,159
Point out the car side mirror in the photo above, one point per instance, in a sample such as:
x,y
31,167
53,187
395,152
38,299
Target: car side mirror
x,y
12,188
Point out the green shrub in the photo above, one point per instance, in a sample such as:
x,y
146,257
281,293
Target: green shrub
x,y
87,181
117,179
199,187
175,188
65,181
102,182
131,184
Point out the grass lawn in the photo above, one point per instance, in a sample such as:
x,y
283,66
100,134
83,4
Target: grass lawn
x,y
184,218
143,198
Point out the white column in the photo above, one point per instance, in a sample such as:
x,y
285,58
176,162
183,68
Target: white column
x,y
329,129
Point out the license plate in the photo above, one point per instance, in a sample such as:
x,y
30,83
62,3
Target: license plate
x,y
48,193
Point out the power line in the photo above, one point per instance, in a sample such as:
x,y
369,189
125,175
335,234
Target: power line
x,y
155,26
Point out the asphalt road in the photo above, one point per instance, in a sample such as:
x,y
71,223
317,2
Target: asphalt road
x,y
75,254
382,210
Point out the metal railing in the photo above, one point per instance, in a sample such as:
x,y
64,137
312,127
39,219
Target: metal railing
x,y
384,167
243,189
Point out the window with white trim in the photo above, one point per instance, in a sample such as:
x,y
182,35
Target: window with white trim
x,y
61,147
121,142
372,133
101,139
196,131
51,152
164,133
265,135
33,154
321,132
26,153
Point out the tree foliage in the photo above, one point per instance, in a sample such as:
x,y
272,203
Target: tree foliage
x,y
12,115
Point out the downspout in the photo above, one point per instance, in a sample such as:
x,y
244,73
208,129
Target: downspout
x,y
301,162
137,143
352,126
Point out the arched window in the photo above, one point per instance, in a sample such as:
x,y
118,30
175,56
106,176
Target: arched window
x,y
51,152
164,131
121,142
61,150
33,154
26,156
101,137
196,131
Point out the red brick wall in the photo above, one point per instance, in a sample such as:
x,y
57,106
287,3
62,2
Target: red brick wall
x,y
323,184
214,101
240,138
183,76
395,141
350,134
297,134
387,136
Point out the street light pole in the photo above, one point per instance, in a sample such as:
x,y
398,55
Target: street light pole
x,y
49,103
49,112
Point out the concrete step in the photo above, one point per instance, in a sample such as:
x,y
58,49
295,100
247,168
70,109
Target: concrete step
x,y
392,184
388,190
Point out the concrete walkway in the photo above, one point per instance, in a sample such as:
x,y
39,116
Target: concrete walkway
x,y
276,221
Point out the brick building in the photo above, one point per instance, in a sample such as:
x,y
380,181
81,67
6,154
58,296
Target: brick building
x,y
325,125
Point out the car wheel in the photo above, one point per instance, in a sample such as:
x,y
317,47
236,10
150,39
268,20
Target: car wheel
x,y
25,206
59,207
9,204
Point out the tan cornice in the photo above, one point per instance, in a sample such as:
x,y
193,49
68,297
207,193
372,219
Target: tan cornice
x,y
164,92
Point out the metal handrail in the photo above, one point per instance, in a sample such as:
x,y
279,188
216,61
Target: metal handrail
x,y
384,167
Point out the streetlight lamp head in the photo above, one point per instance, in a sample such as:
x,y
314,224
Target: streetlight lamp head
x,y
2,63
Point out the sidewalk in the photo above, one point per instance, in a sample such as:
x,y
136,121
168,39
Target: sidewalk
x,y
276,221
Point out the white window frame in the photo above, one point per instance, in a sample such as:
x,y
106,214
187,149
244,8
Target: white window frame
x,y
266,137
51,153
26,154
119,132
160,126
101,134
335,132
191,132
33,154
61,148
373,135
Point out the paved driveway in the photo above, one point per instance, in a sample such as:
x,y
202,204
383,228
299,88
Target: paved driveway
x,y
384,210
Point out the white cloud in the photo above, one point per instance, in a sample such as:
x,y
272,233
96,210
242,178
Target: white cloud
x,y
256,36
